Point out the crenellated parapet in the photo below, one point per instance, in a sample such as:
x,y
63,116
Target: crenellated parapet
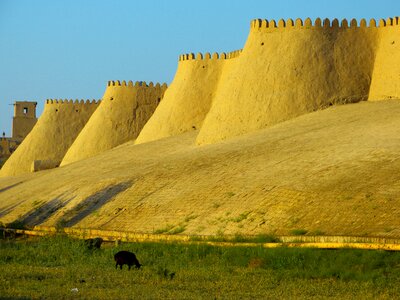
x,y
136,84
318,23
209,56
70,101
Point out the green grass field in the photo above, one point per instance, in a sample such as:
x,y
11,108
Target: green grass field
x,y
63,268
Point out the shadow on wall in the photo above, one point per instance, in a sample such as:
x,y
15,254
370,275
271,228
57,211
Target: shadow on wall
x,y
10,186
92,203
40,213
8,209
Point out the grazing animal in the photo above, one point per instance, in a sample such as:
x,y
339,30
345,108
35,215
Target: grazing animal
x,y
94,243
126,258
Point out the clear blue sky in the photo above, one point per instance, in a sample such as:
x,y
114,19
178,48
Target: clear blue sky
x,y
71,48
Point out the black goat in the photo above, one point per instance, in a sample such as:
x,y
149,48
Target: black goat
x,y
126,258
94,243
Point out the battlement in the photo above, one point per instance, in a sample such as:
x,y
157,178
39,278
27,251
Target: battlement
x,y
208,56
70,101
258,24
137,84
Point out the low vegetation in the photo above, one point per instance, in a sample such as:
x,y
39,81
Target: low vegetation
x,y
64,268
298,231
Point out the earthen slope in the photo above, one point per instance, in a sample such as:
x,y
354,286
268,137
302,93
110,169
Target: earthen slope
x,y
334,171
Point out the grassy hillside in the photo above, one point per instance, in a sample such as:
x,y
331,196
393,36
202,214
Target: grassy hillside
x,y
334,171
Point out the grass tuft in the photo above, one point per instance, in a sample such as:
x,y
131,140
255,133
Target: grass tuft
x,y
241,217
178,229
165,229
298,231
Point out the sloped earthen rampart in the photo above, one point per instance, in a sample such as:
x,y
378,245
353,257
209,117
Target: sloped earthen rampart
x,y
53,134
125,108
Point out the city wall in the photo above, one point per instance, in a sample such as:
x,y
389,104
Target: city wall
x,y
52,135
125,108
189,97
289,68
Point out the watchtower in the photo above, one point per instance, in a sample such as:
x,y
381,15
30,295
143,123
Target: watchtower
x,y
24,119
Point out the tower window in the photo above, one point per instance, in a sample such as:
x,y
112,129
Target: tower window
x,y
25,110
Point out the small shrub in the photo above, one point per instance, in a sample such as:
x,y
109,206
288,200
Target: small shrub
x,y
256,263
178,229
167,228
61,224
190,217
165,273
219,234
298,231
195,238
16,225
241,217
216,205
238,238
266,238
318,232
261,238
